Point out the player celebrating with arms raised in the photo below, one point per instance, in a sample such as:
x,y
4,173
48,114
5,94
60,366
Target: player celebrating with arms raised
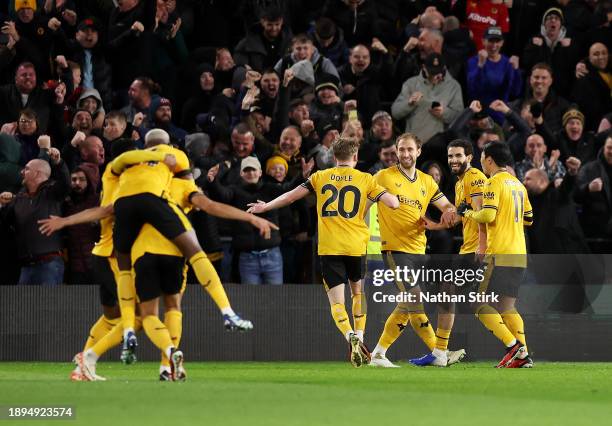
x,y
343,198
505,211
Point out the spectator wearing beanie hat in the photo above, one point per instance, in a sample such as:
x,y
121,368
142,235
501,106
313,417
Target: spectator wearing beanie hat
x,y
277,167
327,104
34,35
328,131
574,141
162,119
554,48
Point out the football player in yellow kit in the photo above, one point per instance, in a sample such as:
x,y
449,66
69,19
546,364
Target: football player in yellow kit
x,y
506,210
403,241
344,196
468,189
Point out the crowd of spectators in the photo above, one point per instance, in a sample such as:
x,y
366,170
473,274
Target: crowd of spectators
x,y
255,91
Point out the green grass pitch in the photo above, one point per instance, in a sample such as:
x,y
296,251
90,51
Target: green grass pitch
x,y
333,393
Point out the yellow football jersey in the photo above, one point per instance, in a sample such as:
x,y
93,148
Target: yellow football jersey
x,y
505,235
110,185
399,229
466,188
148,176
342,194
150,240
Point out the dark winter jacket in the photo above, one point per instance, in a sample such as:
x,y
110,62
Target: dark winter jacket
x,y
131,51
252,49
24,212
246,237
596,217
556,228
10,179
50,115
592,95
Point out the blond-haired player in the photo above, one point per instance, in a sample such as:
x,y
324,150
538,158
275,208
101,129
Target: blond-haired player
x,y
343,198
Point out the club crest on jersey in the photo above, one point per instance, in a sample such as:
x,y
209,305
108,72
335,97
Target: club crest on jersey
x,y
489,195
423,191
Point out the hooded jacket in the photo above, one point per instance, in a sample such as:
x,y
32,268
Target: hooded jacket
x,y
320,65
337,51
562,59
92,93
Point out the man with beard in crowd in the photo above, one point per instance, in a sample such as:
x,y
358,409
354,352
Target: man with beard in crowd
x,y
80,239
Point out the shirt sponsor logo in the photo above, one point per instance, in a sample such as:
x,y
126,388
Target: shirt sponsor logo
x,y
482,19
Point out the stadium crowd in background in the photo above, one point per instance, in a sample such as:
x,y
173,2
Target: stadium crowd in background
x,y
255,92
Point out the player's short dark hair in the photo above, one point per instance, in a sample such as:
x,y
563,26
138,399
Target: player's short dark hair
x,y
499,152
462,143
409,136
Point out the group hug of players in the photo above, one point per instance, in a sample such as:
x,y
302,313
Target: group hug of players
x,y
146,238
492,211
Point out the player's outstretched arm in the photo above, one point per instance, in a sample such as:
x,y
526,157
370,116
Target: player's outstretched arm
x,y
389,200
55,223
280,201
130,158
226,211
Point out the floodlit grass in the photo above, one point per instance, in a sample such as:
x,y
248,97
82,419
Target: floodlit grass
x,y
255,393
